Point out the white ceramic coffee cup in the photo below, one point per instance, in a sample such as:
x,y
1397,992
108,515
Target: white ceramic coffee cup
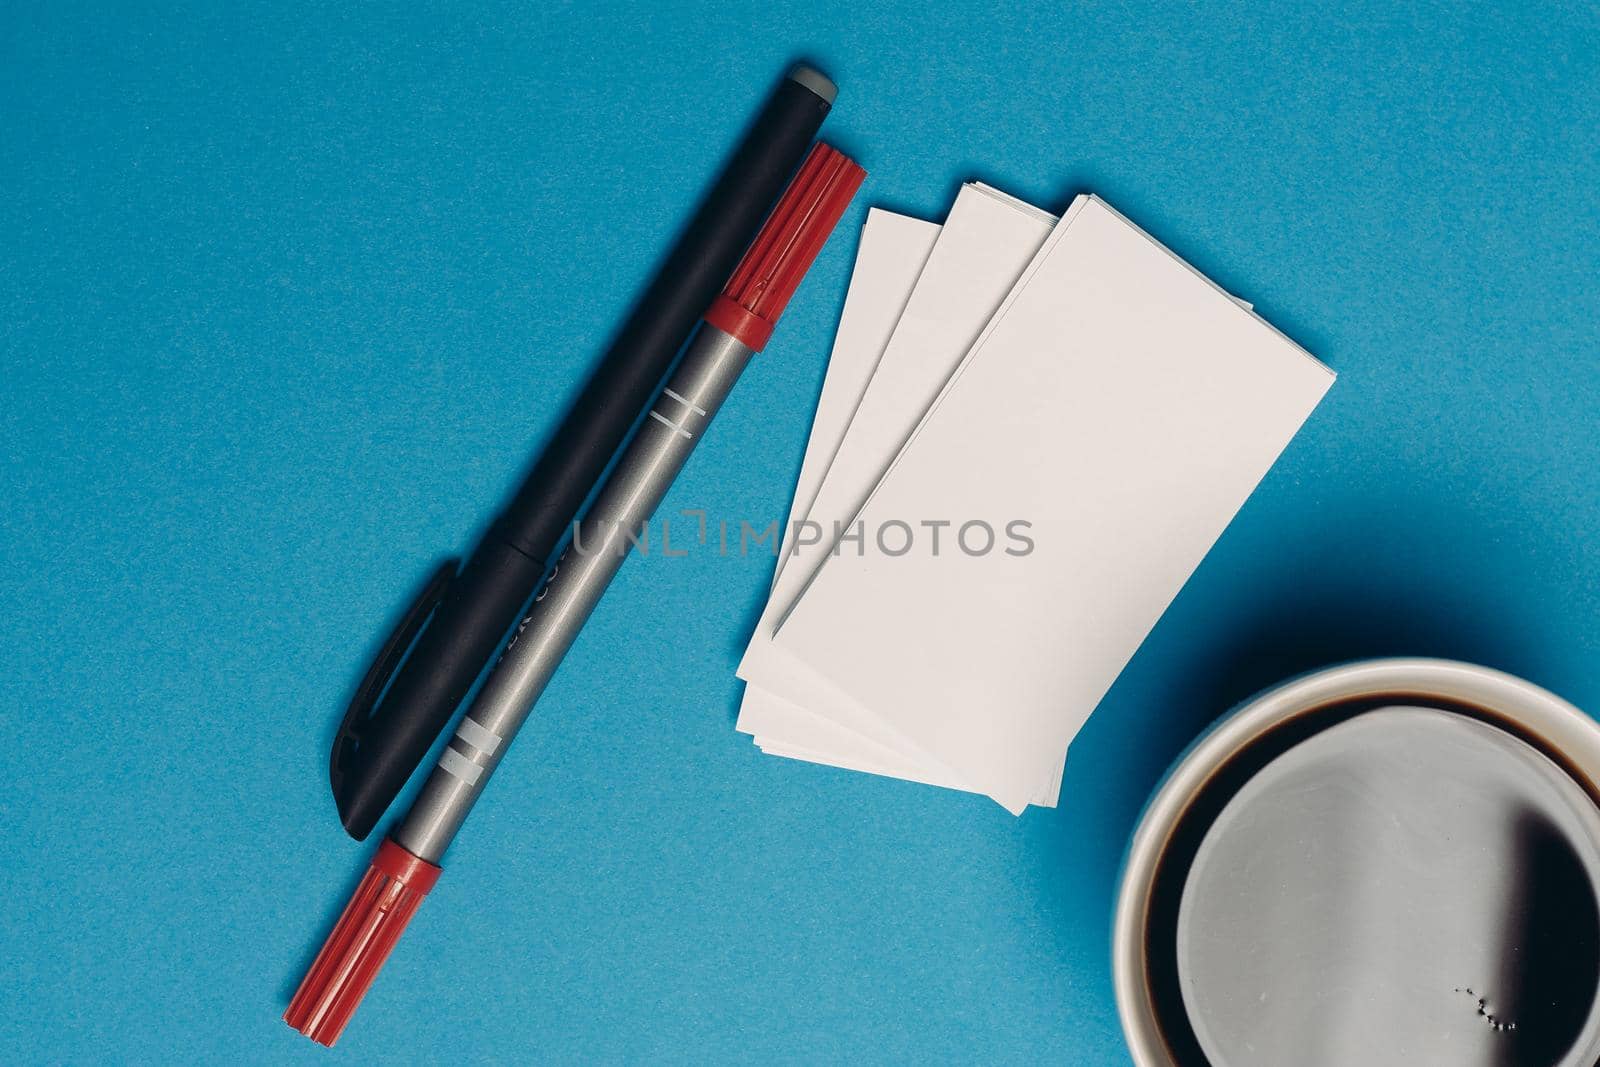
x,y
1559,730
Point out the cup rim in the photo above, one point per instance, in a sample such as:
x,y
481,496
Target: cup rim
x,y
1560,729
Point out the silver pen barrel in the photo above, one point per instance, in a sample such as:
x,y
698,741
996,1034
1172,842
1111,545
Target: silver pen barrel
x,y
736,326
645,471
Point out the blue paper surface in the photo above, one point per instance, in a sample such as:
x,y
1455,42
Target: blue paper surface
x,y
288,295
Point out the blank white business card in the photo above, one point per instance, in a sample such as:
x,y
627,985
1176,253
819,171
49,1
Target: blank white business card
x,y
1120,405
987,242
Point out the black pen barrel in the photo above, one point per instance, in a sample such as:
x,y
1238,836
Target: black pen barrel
x,y
485,600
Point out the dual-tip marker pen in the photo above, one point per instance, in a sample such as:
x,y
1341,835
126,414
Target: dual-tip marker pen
x,y
736,326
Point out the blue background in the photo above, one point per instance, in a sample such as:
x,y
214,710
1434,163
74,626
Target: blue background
x,y
288,295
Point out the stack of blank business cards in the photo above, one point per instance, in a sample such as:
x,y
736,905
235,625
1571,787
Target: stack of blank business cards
x,y
1031,431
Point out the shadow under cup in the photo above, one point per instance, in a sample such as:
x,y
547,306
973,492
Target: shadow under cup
x,y
1394,861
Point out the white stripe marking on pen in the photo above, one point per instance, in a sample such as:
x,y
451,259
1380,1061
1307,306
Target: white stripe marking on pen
x,y
460,766
698,410
669,424
478,736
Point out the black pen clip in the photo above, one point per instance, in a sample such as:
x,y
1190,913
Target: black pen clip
x,y
388,660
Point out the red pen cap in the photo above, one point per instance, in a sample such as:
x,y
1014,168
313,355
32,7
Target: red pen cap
x,y
361,940
783,251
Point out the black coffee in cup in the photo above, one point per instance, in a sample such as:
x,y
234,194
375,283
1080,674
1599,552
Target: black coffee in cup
x,y
1382,882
